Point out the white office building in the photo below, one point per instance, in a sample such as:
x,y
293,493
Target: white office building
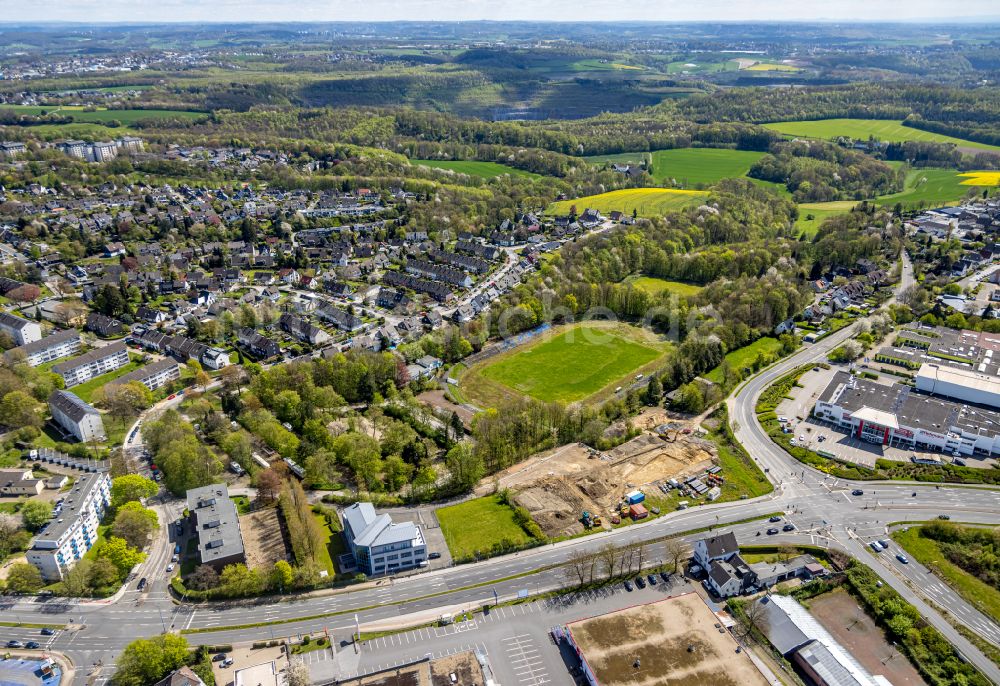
x,y
73,528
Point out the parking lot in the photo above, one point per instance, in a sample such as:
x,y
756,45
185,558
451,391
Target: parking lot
x,y
424,516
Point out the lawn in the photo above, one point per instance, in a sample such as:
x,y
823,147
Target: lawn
x,y
882,129
744,357
647,202
86,390
564,367
99,116
937,187
618,158
334,545
655,286
926,551
812,214
485,170
692,166
476,525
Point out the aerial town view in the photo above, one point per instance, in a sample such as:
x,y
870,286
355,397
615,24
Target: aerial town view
x,y
450,343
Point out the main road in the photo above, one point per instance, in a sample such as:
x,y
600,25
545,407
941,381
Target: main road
x,y
821,507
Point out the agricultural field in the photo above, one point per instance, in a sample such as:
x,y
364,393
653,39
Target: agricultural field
x,y
99,116
695,67
618,158
882,129
742,357
694,166
484,170
938,186
567,365
655,286
773,66
812,214
476,525
647,202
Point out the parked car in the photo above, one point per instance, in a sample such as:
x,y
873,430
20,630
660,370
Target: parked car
x,y
628,585
902,558
434,556
775,519
652,579
857,491
31,645
170,567
788,527
218,657
665,577
640,582
772,531
228,662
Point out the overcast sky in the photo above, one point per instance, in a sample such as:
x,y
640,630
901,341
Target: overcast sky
x,y
558,10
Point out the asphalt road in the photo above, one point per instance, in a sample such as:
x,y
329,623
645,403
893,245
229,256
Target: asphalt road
x,y
821,507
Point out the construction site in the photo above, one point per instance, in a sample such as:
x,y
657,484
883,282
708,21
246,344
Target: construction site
x,y
575,487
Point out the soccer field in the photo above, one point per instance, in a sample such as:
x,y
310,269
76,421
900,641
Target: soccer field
x,y
860,129
567,366
647,202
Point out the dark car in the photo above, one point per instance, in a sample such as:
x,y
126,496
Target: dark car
x,y
142,583
640,582
944,516
628,585
31,645
219,657
902,558
665,577
14,644
652,579
434,556
48,632
775,518
772,531
857,491
788,527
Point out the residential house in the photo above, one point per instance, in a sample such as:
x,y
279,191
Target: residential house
x,y
75,417
103,325
58,345
302,330
21,330
93,363
256,345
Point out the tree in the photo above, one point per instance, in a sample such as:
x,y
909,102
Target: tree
x,y
201,378
13,538
674,550
268,484
24,578
147,660
103,574
203,578
297,674
121,555
233,378
130,488
654,390
127,399
283,575
35,513
135,524
18,409
465,465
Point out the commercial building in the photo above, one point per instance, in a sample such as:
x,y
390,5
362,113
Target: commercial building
x,y
75,417
93,363
58,345
153,375
798,636
216,524
651,642
21,330
896,414
380,545
728,574
73,529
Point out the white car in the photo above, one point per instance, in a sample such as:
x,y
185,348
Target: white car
x,y
170,567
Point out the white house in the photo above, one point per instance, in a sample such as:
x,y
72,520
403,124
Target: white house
x,y
75,417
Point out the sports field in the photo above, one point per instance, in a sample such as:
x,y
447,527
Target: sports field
x,y
655,286
485,170
647,202
882,129
692,166
568,365
99,116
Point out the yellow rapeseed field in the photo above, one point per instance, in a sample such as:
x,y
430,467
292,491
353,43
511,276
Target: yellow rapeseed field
x,y
981,178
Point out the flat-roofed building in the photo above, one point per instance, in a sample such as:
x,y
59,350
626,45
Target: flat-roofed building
x,y
380,545
61,543
216,524
58,345
93,363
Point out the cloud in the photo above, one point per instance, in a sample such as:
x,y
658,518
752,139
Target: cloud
x,y
498,10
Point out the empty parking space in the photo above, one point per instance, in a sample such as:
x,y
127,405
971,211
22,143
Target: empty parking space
x,y
525,660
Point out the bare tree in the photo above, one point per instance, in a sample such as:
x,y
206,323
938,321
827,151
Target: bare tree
x,y
640,553
297,674
576,568
608,555
786,552
674,550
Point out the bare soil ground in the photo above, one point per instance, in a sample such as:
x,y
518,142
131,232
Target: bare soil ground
x,y
841,615
438,399
675,641
558,485
263,539
464,666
